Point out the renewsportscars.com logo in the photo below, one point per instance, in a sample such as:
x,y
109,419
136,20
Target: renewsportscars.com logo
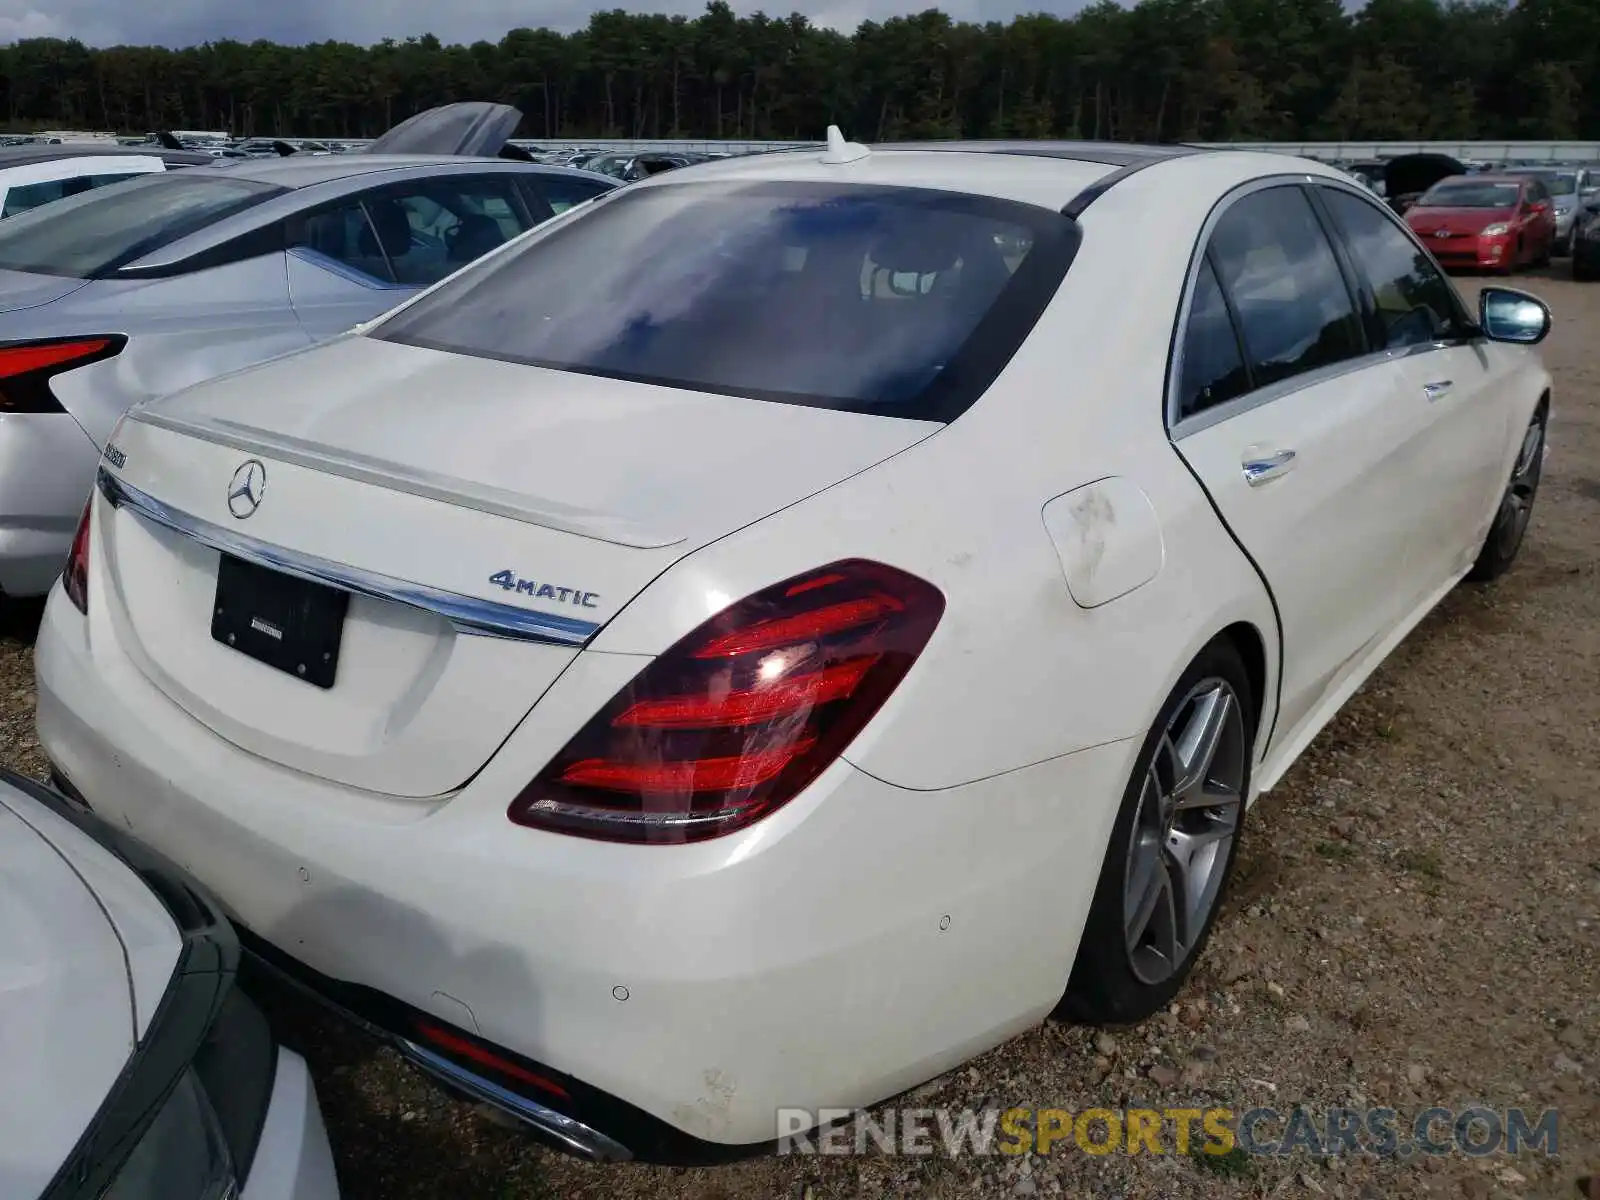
x,y
1383,1132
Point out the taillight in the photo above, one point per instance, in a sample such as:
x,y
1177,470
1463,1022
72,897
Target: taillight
x,y
75,577
738,717
26,369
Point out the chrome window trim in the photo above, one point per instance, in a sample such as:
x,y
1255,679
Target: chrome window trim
x,y
1178,429
466,614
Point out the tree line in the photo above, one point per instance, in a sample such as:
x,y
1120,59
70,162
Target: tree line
x,y
1161,70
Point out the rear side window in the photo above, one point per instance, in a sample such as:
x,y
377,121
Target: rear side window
x,y
1295,310
97,232
897,301
1213,368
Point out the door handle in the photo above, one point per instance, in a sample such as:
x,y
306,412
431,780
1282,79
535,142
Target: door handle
x,y
1438,389
1259,470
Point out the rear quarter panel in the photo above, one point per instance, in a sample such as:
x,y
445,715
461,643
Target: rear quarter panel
x,y
1017,672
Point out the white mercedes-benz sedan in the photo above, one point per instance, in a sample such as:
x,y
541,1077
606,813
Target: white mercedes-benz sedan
x,y
786,627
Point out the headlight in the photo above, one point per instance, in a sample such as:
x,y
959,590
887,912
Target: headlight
x,y
182,1155
1496,230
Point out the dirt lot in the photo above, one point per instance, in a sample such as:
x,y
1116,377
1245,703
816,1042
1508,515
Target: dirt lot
x,y
1416,921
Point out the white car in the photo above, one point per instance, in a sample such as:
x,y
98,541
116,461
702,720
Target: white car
x,y
786,627
135,1070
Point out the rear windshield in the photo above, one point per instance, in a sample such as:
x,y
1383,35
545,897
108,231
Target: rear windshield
x,y
97,232
899,301
1471,195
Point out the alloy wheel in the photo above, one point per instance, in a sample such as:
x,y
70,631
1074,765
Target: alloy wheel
x,y
1517,505
1183,831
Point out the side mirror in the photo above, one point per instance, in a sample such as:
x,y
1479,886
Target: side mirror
x,y
1507,315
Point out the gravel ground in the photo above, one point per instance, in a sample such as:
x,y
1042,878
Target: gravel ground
x,y
1415,921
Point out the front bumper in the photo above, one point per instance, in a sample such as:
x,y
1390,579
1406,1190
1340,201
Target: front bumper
x,y
859,941
1468,251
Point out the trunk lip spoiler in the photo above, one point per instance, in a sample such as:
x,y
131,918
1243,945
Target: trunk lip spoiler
x,y
397,477
467,614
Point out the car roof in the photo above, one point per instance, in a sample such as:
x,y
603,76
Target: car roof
x,y
1490,177
19,156
298,171
1055,175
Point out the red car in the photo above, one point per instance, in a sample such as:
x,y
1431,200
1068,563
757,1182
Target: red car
x,y
1490,222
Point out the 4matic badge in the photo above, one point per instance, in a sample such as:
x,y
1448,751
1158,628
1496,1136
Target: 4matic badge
x,y
512,582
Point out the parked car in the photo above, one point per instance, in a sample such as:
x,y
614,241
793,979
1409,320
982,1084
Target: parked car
x,y
1586,247
1489,222
703,660
108,300
34,175
1565,185
135,1069
630,167
1407,176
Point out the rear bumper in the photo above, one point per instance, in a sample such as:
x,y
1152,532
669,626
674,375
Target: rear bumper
x,y
47,465
859,941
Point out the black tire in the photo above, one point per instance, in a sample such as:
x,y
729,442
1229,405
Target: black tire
x,y
1104,987
1544,255
1516,503
1583,270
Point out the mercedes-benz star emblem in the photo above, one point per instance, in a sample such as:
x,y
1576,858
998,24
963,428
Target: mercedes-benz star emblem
x,y
248,486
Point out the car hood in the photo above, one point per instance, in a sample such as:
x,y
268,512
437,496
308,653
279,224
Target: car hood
x,y
66,1008
1411,173
1456,220
471,128
22,289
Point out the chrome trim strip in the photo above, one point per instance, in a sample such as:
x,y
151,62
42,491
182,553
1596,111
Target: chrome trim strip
x,y
396,477
466,613
573,1134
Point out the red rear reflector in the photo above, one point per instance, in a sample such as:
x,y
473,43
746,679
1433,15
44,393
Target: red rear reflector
x,y
482,1056
75,576
743,713
19,360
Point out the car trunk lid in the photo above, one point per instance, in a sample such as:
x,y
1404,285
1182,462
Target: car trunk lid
x,y
487,518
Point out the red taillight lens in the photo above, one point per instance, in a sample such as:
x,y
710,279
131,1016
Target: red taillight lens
x,y
26,368
75,578
738,717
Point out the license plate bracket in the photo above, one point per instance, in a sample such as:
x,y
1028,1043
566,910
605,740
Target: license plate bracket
x,y
286,622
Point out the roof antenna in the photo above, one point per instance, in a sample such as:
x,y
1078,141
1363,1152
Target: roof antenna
x,y
840,151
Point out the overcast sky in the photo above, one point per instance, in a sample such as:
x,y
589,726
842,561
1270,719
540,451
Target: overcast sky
x,y
188,22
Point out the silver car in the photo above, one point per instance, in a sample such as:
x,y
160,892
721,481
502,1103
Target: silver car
x,y
1566,186
144,287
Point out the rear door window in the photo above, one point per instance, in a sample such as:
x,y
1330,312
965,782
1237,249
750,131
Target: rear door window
x,y
888,300
1296,313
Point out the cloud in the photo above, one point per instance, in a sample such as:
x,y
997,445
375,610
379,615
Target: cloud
x,y
189,22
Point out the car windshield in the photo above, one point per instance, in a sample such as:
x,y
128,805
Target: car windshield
x,y
1559,185
1471,195
897,301
96,232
